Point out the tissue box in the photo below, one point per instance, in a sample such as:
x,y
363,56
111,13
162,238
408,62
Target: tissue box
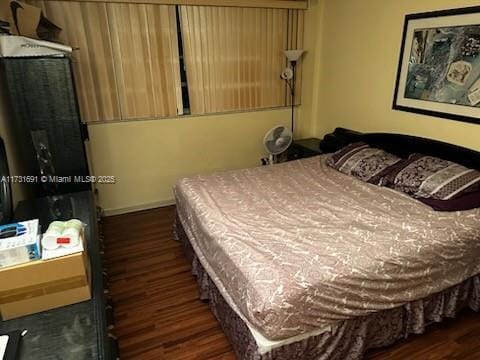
x,y
21,243
43,285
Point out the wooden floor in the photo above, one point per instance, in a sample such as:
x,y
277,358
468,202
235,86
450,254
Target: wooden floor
x,y
158,314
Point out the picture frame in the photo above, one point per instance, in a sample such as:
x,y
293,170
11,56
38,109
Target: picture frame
x,y
439,67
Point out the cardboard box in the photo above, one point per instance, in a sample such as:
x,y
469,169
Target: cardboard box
x,y
26,20
43,285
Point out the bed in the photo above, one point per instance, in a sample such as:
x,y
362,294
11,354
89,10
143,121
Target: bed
x,y
299,261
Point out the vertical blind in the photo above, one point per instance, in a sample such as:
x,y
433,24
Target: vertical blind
x,y
295,41
276,4
127,65
145,44
85,26
234,57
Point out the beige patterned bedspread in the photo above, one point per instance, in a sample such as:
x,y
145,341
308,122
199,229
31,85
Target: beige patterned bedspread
x,y
296,246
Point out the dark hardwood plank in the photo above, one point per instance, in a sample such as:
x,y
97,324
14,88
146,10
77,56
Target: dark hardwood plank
x,y
159,315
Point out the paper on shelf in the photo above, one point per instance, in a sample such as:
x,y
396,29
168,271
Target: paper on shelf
x,y
3,345
20,46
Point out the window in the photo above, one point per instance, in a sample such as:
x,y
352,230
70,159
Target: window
x,y
144,61
234,57
146,58
183,72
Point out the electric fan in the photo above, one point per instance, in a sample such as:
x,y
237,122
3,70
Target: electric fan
x,y
276,141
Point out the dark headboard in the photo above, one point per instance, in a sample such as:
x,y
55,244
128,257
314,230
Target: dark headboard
x,y
402,145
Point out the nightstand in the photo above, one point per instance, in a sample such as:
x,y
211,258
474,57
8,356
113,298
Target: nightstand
x,y
303,148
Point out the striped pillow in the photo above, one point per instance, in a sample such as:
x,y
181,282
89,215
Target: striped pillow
x,y
432,178
362,161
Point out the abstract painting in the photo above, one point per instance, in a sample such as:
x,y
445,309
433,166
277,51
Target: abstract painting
x,y
439,70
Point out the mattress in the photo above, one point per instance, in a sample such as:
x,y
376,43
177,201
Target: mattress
x,y
296,247
351,338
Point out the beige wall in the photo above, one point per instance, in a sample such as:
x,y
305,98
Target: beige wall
x,y
308,119
147,157
359,57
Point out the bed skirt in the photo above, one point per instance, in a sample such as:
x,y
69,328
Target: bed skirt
x,y
351,338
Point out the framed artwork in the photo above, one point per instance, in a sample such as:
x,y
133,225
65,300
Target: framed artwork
x,y
439,69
